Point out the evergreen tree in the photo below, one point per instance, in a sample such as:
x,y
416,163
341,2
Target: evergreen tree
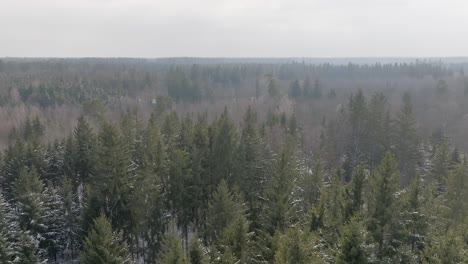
x,y
280,205
358,119
457,195
295,89
197,254
27,249
356,188
414,216
7,233
222,211
113,183
28,189
440,169
296,246
273,87
71,218
102,245
85,156
172,251
222,150
382,207
352,242
407,141
250,164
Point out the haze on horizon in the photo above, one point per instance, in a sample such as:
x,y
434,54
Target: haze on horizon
x,y
234,28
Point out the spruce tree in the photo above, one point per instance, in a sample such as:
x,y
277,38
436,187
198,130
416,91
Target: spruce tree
x,y
406,141
296,246
351,249
197,254
7,232
382,207
27,249
280,205
102,245
250,175
85,156
172,251
113,183
28,190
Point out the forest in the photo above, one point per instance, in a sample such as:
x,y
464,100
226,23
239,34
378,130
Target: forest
x,y
191,160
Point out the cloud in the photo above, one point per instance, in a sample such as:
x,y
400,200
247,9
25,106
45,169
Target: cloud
x,y
242,28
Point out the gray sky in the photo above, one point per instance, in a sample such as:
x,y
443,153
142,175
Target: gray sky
x,y
233,28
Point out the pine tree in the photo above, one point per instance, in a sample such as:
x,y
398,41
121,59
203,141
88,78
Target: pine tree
x,y
250,175
440,169
414,216
351,242
113,183
407,141
7,232
457,195
378,131
27,249
221,212
382,207
296,246
280,205
273,87
172,251
102,245
222,150
85,157
356,188
295,89
312,183
197,254
54,224
71,218
28,190
358,119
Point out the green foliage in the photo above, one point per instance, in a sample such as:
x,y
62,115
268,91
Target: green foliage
x,y
197,254
172,252
102,245
27,249
383,222
352,242
296,246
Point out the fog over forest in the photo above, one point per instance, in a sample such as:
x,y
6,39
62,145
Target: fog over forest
x,y
233,132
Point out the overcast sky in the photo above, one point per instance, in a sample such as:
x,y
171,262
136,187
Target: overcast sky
x,y
233,28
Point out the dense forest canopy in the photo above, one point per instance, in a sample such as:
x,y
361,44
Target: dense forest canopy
x,y
233,161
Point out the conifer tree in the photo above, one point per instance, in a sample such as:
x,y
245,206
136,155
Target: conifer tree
x,y
172,251
28,189
296,246
7,232
85,156
71,217
221,211
222,150
197,254
406,141
440,169
280,205
102,245
414,216
352,242
27,249
250,174
113,183
457,194
382,207
356,188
